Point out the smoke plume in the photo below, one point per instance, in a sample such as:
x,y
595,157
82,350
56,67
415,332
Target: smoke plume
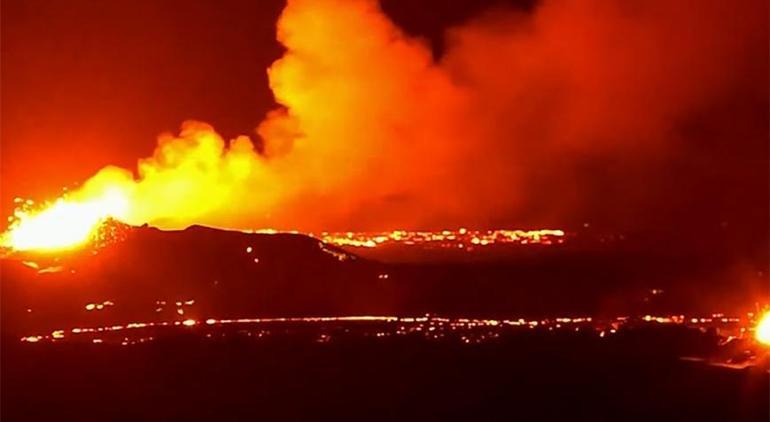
x,y
526,117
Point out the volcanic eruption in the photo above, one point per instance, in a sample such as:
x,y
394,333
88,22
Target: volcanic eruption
x,y
373,131
435,210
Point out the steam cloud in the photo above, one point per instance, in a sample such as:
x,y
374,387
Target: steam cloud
x,y
518,119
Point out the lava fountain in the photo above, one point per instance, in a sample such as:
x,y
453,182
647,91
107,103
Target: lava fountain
x,y
762,330
64,224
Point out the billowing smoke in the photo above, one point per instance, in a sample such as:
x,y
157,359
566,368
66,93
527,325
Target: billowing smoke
x,y
526,117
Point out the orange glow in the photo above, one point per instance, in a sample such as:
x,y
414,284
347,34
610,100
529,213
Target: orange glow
x,y
461,238
187,178
466,330
379,134
65,224
762,330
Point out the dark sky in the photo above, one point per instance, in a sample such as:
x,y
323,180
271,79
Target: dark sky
x,y
87,83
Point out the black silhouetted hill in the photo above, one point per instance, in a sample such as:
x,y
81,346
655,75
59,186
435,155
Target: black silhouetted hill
x,y
225,273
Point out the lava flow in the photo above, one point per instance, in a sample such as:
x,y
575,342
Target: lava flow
x,y
69,224
72,222
461,238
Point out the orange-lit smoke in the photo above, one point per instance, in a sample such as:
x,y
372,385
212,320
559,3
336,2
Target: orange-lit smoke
x,y
508,123
374,132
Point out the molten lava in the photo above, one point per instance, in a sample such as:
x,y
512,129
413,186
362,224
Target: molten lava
x,y
762,330
64,224
459,239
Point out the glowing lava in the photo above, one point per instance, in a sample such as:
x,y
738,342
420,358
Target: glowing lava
x,y
762,331
461,239
65,224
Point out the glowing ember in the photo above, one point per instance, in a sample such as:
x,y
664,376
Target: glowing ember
x,y
762,331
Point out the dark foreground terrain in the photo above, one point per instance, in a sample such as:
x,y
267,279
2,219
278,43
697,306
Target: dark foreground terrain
x,y
207,273
150,329
304,375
